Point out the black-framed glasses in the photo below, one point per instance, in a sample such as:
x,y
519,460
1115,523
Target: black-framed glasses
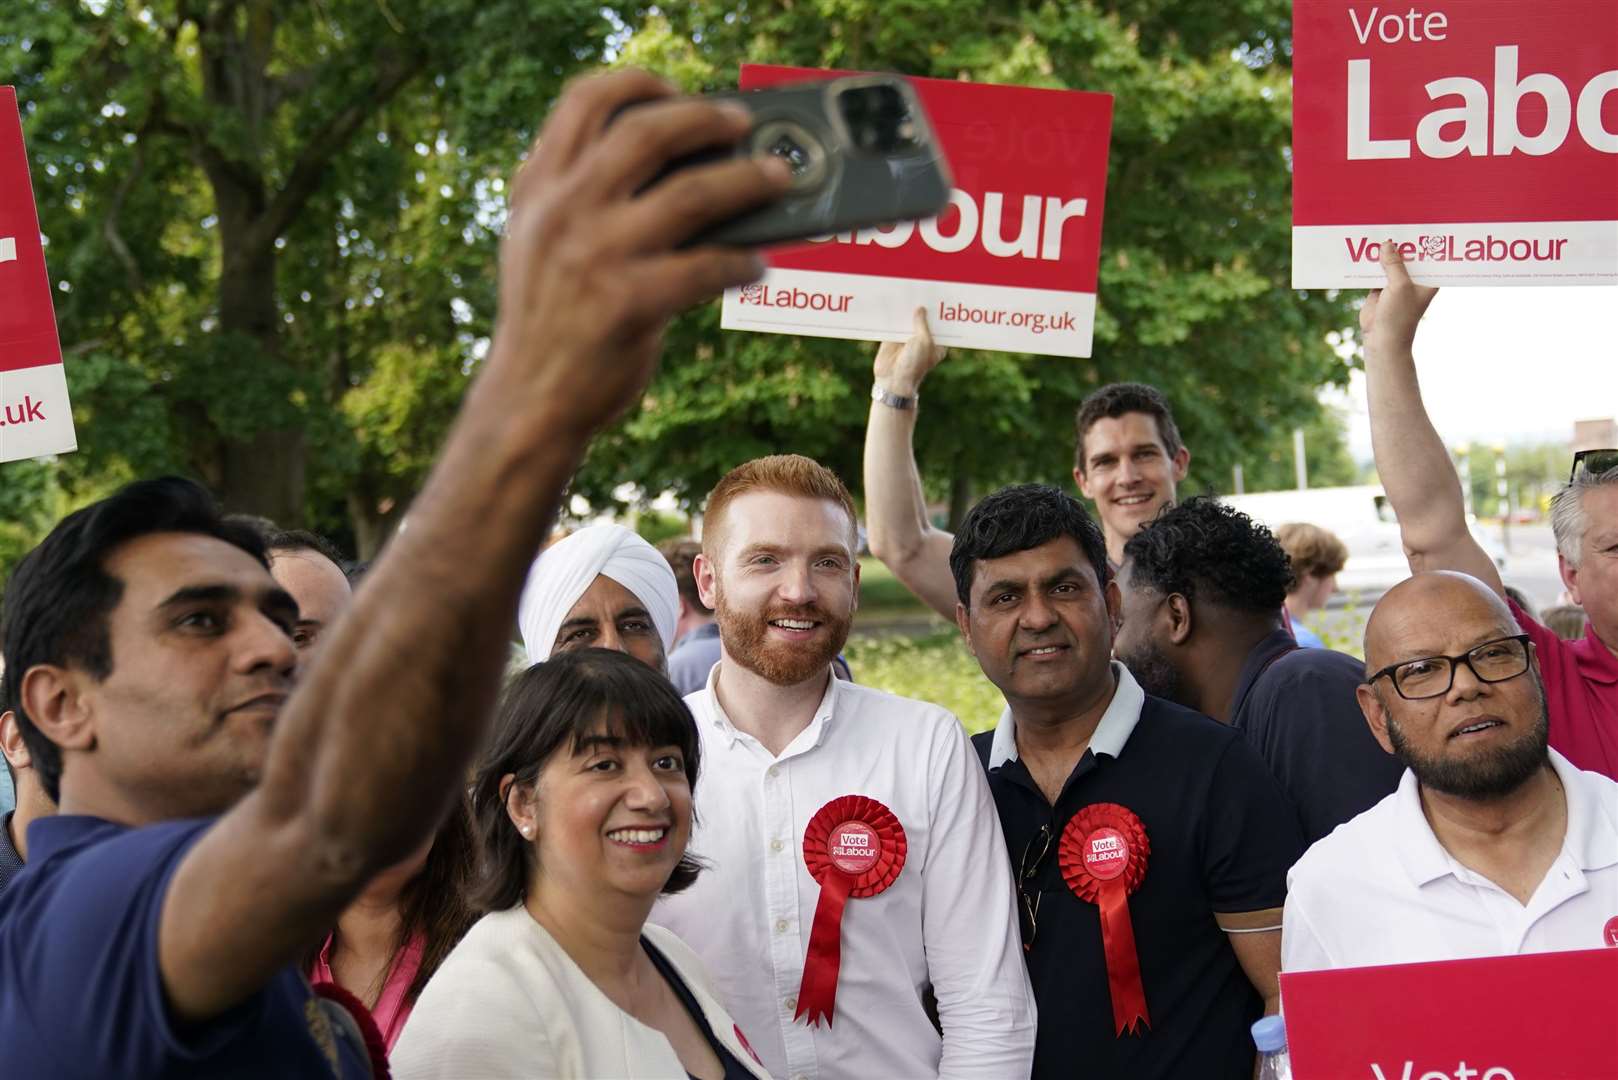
x,y
1033,856
1593,463
1432,676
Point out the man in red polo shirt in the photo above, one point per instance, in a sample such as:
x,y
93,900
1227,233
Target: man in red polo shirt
x,y
1581,677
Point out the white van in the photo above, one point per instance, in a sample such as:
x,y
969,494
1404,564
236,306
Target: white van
x,y
1362,519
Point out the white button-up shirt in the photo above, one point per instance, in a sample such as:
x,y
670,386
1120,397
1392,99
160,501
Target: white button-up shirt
x,y
1381,889
948,921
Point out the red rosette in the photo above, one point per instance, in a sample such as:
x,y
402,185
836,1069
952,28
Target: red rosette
x,y
1103,858
854,847
375,1045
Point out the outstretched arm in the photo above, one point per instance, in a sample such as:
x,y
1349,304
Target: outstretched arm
x,y
895,507
1411,459
370,748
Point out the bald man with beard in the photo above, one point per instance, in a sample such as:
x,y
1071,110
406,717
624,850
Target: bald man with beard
x,y
1493,844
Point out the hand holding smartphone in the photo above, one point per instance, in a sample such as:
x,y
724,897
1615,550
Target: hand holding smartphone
x,y
862,153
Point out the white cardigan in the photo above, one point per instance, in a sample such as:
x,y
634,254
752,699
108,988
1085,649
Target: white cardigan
x,y
509,1002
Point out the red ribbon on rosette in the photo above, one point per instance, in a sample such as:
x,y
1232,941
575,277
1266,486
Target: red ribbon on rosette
x,y
854,846
1103,859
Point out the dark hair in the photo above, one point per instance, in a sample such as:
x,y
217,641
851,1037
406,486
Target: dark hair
x,y
681,553
59,597
1116,399
436,904
1205,550
1017,518
548,709
304,540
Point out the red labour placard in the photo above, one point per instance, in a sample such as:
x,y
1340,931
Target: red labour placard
x,y
1542,1016
1010,265
1481,135
35,418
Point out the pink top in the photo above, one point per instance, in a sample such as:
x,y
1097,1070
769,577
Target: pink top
x,y
391,1009
1581,694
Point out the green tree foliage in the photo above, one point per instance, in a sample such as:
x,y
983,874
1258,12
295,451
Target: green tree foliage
x,y
1325,450
1196,253
270,228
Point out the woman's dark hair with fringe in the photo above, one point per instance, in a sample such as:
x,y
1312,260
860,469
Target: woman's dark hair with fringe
x,y
549,709
436,904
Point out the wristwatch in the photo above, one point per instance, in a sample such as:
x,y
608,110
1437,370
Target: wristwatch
x,y
892,400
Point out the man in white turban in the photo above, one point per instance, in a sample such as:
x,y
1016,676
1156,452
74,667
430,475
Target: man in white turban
x,y
602,587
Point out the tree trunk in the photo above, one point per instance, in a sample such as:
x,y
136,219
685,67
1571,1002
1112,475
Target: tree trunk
x,y
261,473
374,520
264,472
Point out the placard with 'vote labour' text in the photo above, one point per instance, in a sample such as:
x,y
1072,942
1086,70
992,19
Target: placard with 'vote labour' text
x,y
1539,1016
1011,263
35,418
1481,135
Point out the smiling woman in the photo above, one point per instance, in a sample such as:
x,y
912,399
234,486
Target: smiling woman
x,y
583,801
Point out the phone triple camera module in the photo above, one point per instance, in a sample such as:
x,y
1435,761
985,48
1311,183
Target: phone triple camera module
x,y
878,119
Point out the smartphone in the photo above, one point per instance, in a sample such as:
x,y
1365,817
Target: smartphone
x,y
862,153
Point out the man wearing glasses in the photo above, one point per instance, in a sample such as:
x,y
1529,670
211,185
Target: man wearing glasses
x,y
1581,677
1151,844
1493,844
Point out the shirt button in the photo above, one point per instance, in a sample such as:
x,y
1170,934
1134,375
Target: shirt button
x,y
780,926
792,1004
776,845
773,772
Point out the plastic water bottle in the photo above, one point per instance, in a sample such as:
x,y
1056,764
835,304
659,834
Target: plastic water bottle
x,y
1270,1036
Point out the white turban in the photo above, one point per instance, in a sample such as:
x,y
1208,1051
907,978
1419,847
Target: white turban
x,y
570,566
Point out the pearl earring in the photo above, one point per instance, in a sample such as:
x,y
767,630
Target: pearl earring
x,y
528,832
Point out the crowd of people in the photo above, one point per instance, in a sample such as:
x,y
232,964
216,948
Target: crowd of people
x,y
274,818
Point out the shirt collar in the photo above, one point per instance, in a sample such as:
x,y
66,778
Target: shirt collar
x,y
57,832
1275,644
1592,823
1112,731
1591,839
1596,662
810,736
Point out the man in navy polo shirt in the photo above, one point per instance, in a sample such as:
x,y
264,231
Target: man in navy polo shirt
x,y
214,822
1125,816
1202,590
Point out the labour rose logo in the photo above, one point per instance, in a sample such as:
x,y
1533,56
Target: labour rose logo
x,y
1434,247
752,294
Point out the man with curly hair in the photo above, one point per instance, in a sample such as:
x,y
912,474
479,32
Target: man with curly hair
x,y
1202,590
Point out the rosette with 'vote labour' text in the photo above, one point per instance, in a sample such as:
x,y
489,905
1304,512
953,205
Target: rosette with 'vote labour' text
x,y
854,846
1103,859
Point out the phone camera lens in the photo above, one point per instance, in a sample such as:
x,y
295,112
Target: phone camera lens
x,y
792,152
795,145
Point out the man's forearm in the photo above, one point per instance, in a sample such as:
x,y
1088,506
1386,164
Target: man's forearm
x,y
896,511
398,701
1411,460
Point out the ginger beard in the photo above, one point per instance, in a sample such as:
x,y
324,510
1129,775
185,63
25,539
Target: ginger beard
x,y
747,640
